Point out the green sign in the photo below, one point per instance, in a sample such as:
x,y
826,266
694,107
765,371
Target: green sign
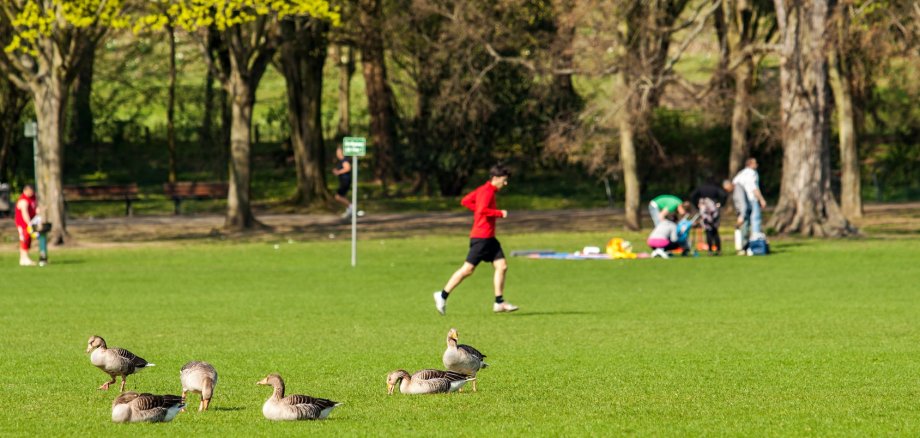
x,y
354,146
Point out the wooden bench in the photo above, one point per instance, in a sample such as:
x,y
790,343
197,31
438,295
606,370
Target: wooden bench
x,y
194,190
126,193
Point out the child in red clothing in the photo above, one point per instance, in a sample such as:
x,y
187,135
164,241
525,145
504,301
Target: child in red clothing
x,y
26,209
483,244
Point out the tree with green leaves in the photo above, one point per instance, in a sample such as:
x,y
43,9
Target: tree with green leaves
x,y
248,36
43,54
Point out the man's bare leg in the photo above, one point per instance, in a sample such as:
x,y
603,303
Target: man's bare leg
x,y
501,266
440,297
465,271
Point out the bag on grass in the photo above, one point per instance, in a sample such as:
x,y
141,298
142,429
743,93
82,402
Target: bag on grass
x,y
759,247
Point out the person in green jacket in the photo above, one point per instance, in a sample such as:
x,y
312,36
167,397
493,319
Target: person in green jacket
x,y
661,205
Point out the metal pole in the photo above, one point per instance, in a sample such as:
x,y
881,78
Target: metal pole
x,y
354,210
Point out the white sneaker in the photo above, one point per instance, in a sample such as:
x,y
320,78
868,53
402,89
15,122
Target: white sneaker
x,y
749,252
360,213
347,213
660,253
26,263
440,304
503,307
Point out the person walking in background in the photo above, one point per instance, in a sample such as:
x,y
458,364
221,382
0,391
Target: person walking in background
x,y
743,218
343,171
661,205
483,244
748,180
709,199
26,209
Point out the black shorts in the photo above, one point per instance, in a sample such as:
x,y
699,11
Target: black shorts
x,y
488,249
344,186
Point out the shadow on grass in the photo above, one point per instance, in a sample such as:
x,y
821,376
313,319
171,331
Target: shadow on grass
x,y
52,261
227,408
557,313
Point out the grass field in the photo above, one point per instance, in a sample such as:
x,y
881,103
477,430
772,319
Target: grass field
x,y
819,339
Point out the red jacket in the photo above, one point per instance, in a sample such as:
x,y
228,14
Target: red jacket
x,y
21,221
482,202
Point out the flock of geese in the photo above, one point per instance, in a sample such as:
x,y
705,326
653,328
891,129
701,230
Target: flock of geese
x,y
463,363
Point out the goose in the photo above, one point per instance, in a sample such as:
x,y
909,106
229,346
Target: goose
x,y
293,407
461,358
131,407
426,381
114,361
200,378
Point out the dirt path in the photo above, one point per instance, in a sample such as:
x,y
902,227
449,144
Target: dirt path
x,y
887,219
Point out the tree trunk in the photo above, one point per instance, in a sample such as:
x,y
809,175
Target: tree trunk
x,y
379,94
630,176
12,103
226,117
806,204
171,105
346,63
303,55
242,99
81,123
850,183
741,115
50,98
207,119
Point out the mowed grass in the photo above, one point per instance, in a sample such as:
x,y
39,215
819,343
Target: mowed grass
x,y
819,339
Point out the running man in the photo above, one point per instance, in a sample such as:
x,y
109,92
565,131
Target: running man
x,y
343,171
483,244
26,209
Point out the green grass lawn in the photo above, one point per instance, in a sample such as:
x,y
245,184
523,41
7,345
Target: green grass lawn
x,y
819,339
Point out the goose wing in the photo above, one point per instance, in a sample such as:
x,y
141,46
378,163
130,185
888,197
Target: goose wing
x,y
154,408
127,357
430,374
472,351
308,407
198,366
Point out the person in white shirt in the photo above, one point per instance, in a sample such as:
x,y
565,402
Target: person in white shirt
x,y
749,180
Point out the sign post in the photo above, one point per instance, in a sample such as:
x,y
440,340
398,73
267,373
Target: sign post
x,y
354,147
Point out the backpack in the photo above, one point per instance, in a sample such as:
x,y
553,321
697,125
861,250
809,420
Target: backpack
x,y
683,230
759,247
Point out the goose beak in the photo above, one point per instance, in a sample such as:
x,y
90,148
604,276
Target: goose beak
x,y
262,382
89,348
390,387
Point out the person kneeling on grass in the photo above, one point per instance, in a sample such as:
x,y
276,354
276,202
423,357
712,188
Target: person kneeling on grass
x,y
483,244
664,237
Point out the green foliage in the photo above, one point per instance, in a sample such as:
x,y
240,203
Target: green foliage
x,y
817,340
36,19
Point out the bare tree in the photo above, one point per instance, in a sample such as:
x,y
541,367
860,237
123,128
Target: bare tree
x,y
380,102
747,23
806,204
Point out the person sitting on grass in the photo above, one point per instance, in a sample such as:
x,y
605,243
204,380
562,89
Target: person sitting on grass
x,y
664,237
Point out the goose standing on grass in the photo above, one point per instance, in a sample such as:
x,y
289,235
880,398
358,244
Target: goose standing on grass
x,y
293,407
131,407
461,358
426,381
200,378
114,361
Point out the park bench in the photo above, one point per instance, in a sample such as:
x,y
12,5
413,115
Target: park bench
x,y
125,192
194,190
